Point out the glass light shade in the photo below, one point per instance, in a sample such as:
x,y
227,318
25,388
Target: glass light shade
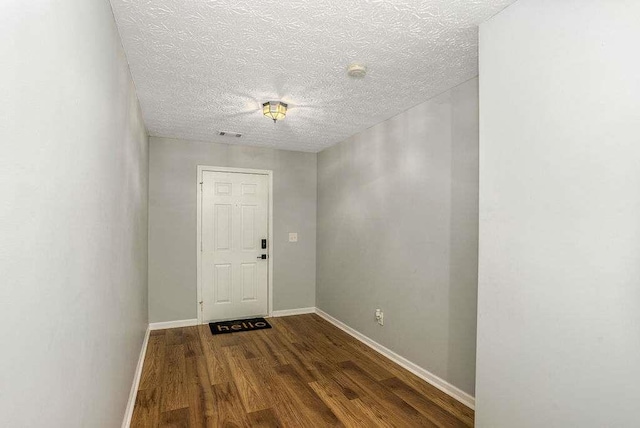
x,y
275,110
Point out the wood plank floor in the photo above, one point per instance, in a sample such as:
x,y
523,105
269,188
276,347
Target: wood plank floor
x,y
304,372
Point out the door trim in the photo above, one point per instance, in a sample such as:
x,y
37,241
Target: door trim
x,y
199,180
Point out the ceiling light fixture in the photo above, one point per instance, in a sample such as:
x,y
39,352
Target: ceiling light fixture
x,y
276,110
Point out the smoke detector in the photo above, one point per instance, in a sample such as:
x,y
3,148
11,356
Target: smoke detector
x,y
356,70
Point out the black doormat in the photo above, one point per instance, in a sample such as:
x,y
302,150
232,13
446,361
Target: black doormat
x,y
224,327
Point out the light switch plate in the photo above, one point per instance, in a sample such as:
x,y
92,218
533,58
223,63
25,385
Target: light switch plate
x,y
293,237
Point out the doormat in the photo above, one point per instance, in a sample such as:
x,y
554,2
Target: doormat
x,y
224,327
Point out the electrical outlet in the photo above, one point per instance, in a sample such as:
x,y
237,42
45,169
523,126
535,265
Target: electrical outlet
x,y
293,237
379,316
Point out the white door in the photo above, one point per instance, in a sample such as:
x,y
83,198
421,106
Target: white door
x,y
234,225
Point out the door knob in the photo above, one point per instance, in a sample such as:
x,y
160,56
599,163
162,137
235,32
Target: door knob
x,y
263,256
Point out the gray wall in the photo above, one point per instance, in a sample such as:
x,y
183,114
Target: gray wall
x,y
559,282
172,222
73,217
397,229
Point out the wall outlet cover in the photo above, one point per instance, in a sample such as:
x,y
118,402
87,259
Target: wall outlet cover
x,y
293,237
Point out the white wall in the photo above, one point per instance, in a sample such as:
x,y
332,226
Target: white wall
x,y
398,230
172,222
559,281
73,217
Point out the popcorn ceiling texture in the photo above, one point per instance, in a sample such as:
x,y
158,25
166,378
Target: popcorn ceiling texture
x,y
207,65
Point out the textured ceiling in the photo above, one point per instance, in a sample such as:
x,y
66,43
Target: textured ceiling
x,y
201,66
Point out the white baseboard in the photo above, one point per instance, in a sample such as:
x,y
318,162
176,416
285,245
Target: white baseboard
x,y
287,312
172,324
128,414
423,374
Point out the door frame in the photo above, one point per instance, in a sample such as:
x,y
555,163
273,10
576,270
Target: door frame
x,y
199,181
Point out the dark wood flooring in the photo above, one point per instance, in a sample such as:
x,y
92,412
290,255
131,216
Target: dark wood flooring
x,y
304,372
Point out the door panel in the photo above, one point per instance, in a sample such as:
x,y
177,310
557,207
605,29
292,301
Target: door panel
x,y
223,227
249,282
248,226
222,283
234,221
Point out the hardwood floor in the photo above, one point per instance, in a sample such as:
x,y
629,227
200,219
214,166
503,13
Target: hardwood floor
x,y
304,372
